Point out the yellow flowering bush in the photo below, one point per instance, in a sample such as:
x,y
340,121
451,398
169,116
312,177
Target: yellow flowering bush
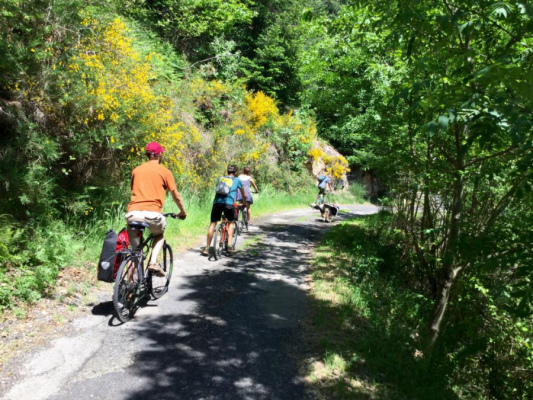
x,y
336,165
261,107
316,153
117,98
248,129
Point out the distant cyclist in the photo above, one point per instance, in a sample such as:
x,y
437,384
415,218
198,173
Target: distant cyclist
x,y
324,182
224,204
247,180
149,184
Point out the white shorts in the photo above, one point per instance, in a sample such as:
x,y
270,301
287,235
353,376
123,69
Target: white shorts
x,y
157,222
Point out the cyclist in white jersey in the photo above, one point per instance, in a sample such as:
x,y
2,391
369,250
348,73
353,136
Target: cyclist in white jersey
x,y
247,180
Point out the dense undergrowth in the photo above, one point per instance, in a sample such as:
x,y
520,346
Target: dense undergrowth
x,y
75,244
83,87
62,245
369,315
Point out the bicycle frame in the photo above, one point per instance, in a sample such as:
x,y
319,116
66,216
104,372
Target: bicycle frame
x,y
140,253
225,233
134,281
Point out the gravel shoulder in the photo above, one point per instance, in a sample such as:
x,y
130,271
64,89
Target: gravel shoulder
x,y
227,329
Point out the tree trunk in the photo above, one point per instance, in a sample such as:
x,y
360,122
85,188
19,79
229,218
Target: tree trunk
x,y
448,275
449,270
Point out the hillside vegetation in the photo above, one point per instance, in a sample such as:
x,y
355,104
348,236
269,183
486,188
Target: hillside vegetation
x,y
436,97
84,86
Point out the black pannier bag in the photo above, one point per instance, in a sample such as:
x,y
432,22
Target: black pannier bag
x,y
107,257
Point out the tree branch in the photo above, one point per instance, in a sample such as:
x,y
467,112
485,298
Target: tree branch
x,y
479,159
210,58
504,202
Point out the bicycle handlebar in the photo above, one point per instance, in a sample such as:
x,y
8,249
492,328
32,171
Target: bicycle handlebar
x,y
173,215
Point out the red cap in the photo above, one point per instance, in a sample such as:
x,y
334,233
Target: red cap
x,y
154,148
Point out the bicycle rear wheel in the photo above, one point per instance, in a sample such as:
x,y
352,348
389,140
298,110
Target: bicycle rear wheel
x,y
125,294
235,234
159,284
219,241
243,223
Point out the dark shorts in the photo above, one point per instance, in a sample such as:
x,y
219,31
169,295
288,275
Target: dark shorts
x,y
218,209
321,191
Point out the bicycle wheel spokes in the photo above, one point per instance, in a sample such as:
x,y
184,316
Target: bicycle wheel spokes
x,y
159,285
125,290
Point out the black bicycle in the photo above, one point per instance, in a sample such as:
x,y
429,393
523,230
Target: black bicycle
x,y
134,282
220,240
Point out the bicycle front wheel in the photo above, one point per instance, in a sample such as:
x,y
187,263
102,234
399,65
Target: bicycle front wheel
x,y
219,241
159,284
125,293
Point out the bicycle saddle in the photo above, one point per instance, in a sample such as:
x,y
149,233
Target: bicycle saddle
x,y
140,225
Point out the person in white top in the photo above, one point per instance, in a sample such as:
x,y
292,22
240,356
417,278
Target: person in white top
x,y
247,180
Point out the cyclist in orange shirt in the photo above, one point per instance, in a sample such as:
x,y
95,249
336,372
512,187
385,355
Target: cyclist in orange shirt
x,y
149,184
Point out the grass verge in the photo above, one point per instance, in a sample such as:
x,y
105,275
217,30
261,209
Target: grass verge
x,y
364,319
31,274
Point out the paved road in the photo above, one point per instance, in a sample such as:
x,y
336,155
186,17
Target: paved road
x,y
227,329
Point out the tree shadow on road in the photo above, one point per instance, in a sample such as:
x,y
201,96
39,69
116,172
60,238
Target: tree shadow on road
x,y
244,339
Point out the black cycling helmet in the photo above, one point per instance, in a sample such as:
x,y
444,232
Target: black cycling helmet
x,y
232,169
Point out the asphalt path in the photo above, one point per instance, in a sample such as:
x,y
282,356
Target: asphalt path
x,y
227,329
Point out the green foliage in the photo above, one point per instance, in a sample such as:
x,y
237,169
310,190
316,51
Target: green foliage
x,y
237,39
9,241
273,68
379,306
82,89
190,25
357,190
30,259
436,97
372,321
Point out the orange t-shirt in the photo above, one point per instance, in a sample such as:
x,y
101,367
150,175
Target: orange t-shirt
x,y
149,184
